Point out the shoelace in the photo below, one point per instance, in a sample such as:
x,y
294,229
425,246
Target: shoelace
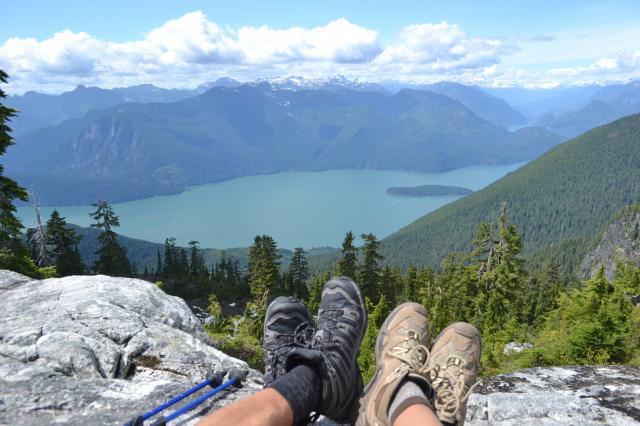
x,y
450,388
414,357
300,338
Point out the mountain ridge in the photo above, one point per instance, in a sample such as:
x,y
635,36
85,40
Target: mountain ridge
x,y
245,130
547,199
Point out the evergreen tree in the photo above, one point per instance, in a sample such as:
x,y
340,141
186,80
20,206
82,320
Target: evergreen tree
x,y
410,287
299,274
170,257
315,291
370,269
390,285
13,254
367,357
64,243
501,275
183,262
159,269
112,257
264,266
348,264
197,268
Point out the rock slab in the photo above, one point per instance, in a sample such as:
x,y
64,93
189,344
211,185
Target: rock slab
x,y
582,395
99,350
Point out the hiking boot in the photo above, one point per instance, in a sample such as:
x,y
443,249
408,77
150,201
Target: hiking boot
x,y
401,353
333,351
286,325
454,365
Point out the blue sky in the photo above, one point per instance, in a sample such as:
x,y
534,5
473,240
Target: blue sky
x,y
51,46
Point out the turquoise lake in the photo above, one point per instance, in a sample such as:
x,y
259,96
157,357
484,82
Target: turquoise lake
x,y
298,209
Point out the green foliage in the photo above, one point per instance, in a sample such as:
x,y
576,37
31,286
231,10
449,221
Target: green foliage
x,y
367,357
234,337
593,324
64,246
16,258
369,271
299,274
427,190
315,291
13,254
112,257
263,267
348,264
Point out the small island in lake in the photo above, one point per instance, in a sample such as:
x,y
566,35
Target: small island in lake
x,y
427,190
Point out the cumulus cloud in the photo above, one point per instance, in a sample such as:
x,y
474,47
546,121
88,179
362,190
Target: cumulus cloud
x,y
189,45
623,64
443,47
192,49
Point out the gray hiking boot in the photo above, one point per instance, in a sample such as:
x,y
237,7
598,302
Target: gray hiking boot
x,y
401,353
454,366
333,351
286,325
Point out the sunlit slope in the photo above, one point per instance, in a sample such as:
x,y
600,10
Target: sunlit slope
x,y
565,196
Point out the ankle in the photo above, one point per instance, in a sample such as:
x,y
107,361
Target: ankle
x,y
410,392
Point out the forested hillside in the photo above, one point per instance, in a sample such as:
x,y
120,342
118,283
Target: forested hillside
x,y
560,200
247,130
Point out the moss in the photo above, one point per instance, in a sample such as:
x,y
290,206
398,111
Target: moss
x,y
148,361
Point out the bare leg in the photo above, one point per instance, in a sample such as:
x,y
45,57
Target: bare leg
x,y
417,415
265,408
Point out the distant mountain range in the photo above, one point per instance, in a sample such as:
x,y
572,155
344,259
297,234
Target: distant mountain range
x,y
133,150
37,110
605,105
480,102
559,202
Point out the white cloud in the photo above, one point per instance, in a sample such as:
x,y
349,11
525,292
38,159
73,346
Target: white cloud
x,y
192,49
443,47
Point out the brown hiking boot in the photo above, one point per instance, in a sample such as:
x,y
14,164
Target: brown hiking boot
x,y
454,365
401,351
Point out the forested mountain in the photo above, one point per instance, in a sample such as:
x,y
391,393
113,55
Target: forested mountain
x,y
38,110
558,202
481,103
230,132
608,104
574,123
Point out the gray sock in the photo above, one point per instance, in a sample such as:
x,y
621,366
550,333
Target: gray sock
x,y
409,393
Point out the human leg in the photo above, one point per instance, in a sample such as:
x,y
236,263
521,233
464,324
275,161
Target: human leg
x,y
319,376
265,408
400,390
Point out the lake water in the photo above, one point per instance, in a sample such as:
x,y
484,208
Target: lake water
x,y
298,209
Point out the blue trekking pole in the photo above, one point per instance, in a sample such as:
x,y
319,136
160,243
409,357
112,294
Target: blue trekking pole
x,y
235,378
214,380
